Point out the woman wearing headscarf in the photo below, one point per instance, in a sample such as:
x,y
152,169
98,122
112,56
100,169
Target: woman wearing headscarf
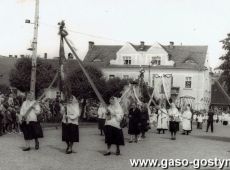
x,y
134,123
162,121
101,118
30,126
70,131
174,118
144,126
186,120
113,131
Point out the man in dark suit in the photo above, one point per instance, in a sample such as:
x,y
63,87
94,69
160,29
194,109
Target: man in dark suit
x,y
210,119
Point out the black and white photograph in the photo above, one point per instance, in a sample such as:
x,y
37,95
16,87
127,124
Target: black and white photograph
x,y
114,84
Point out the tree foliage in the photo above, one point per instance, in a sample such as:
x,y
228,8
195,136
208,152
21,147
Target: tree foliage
x,y
20,75
114,87
80,86
225,66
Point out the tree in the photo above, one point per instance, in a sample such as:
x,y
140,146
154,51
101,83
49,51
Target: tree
x,y
114,87
80,86
21,74
225,66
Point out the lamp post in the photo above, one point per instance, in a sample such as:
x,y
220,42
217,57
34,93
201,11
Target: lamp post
x,y
34,49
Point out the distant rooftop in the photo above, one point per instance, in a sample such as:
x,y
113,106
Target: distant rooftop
x,y
103,54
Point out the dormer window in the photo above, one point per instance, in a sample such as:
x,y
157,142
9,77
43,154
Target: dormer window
x,y
97,60
156,61
190,61
127,60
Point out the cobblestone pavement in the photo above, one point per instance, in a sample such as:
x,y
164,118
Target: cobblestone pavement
x,y
89,152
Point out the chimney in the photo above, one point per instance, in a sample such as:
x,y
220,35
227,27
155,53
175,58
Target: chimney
x,y
171,44
91,45
45,55
70,56
15,56
142,45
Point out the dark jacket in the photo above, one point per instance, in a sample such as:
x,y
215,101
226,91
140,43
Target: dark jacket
x,y
210,116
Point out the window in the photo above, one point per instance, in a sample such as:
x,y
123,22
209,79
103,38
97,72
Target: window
x,y
125,76
188,82
127,60
111,76
156,61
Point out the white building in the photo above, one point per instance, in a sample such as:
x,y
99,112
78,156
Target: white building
x,y
183,71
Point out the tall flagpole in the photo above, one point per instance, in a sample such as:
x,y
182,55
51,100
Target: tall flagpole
x,y
64,33
34,48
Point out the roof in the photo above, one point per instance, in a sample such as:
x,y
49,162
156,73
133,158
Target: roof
x,y
102,54
139,47
180,54
218,97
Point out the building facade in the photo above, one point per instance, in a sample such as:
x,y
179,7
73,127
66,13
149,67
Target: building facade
x,y
181,73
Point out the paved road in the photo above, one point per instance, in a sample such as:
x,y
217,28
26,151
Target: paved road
x,y
89,152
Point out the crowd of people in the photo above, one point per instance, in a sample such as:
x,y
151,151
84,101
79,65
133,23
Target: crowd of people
x,y
9,113
10,106
142,117
18,114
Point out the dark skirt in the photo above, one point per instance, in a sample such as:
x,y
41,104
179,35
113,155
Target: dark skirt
x,y
225,123
101,123
32,130
144,126
173,126
113,135
70,132
134,128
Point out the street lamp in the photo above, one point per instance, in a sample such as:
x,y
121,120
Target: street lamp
x,y
34,49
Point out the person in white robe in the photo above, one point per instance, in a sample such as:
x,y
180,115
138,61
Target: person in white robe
x,y
199,121
101,117
186,120
113,131
30,126
162,121
70,131
174,119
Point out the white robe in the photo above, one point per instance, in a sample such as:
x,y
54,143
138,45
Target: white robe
x,y
73,113
32,115
116,115
186,122
162,121
200,119
101,112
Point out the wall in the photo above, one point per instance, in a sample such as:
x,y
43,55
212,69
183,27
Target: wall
x,y
141,57
201,86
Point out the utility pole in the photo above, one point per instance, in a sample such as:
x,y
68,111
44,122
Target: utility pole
x,y
34,48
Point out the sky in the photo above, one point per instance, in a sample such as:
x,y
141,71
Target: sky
x,y
110,22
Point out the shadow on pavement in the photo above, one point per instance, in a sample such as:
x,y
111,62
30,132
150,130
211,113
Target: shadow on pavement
x,y
215,138
62,150
101,151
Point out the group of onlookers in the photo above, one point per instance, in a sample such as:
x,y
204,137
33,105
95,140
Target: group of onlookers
x,y
9,113
10,110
